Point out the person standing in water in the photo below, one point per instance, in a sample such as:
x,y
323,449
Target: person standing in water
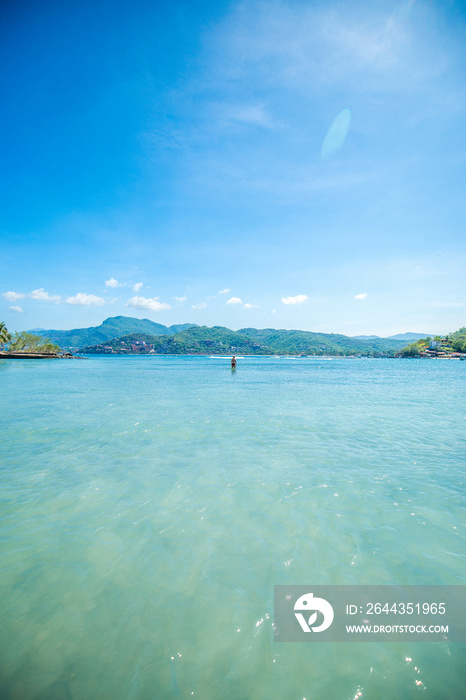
x,y
233,362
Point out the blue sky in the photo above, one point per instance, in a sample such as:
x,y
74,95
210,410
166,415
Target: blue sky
x,y
278,164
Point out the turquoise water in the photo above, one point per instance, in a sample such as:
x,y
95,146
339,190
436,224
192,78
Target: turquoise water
x,y
150,504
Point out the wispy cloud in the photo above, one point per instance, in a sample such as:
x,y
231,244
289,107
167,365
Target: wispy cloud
x,y
224,291
150,304
279,47
250,306
234,300
17,309
180,300
448,304
82,299
306,57
42,295
361,296
202,305
312,43
137,286
13,296
298,299
252,114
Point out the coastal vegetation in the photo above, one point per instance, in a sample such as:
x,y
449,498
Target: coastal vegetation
x,y
28,343
438,346
458,340
5,336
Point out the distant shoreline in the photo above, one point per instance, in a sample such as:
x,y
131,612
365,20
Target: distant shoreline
x,y
274,355
85,356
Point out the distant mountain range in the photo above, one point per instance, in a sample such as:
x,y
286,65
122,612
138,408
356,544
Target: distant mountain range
x,y
410,336
123,334
306,342
399,336
114,327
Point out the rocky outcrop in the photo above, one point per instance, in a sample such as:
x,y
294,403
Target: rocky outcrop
x,y
35,355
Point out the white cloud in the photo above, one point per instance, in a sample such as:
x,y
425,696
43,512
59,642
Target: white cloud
x,y
203,305
224,291
234,300
112,282
151,304
298,299
82,299
361,296
137,286
13,296
18,309
180,299
42,295
251,306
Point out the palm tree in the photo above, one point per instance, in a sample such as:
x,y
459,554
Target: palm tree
x,y
5,337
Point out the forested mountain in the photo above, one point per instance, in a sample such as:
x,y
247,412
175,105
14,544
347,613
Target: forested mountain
x,y
298,342
199,340
124,334
114,327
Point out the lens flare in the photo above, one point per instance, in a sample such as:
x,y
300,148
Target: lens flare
x,y
336,135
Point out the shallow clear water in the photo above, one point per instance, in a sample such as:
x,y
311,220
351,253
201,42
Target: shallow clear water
x,y
150,504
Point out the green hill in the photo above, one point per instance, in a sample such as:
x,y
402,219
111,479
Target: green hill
x,y
198,340
201,340
443,345
123,334
458,340
114,327
306,342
